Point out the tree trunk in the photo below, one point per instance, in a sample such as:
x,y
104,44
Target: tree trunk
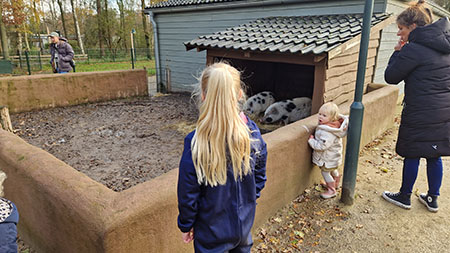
x,y
27,44
122,24
146,34
61,9
108,30
3,36
100,27
52,11
5,120
20,44
77,27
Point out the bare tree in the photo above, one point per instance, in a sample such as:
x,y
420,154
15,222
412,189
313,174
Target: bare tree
x,y
100,27
61,9
77,27
3,36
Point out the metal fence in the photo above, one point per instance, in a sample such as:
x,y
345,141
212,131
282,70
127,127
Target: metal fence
x,y
37,61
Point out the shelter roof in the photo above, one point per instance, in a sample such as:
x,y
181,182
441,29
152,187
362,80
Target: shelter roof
x,y
298,34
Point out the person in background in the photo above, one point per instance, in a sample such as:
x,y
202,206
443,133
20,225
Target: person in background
x,y
422,59
61,54
223,168
9,217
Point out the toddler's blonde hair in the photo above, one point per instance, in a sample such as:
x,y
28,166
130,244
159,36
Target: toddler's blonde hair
x,y
220,131
331,109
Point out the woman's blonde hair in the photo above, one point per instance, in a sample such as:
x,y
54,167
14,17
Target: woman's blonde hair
x,y
220,131
331,109
2,179
417,13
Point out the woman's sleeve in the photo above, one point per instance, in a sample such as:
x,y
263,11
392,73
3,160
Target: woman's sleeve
x,y
401,64
188,190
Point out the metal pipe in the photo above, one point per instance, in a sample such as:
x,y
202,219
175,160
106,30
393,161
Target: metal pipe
x,y
356,113
156,43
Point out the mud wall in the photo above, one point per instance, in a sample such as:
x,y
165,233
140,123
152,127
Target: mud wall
x,y
26,93
62,210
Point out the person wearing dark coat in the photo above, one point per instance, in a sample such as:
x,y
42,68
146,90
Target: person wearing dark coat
x,y
9,217
422,60
61,54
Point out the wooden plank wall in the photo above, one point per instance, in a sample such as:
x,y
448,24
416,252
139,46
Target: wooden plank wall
x,y
340,76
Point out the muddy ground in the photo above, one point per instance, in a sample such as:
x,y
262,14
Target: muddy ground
x,y
117,143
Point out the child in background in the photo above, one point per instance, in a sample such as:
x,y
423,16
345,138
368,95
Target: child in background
x,y
223,168
9,217
327,146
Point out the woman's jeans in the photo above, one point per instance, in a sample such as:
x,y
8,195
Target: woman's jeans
x,y
434,175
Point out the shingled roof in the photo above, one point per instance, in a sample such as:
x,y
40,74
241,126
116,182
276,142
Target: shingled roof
x,y
175,3
302,34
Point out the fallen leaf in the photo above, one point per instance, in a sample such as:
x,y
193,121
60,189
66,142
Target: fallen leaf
x,y
299,233
359,226
278,219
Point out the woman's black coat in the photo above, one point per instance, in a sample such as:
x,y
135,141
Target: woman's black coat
x,y
424,65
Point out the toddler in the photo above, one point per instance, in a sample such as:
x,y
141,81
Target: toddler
x,y
327,146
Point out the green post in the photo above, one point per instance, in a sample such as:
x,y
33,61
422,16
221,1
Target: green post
x,y
40,62
28,62
356,113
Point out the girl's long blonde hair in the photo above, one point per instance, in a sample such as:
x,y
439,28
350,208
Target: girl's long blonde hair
x,y
221,135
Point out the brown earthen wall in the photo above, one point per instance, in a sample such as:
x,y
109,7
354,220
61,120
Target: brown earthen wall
x,y
26,93
63,210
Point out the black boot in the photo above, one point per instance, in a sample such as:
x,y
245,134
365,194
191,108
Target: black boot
x,y
430,201
399,199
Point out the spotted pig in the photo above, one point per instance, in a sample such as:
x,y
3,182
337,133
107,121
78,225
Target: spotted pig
x,y
258,103
288,111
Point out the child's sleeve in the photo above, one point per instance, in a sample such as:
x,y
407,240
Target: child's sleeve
x,y
260,160
188,190
322,143
260,167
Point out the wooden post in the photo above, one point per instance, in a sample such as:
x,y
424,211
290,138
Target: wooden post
x,y
5,120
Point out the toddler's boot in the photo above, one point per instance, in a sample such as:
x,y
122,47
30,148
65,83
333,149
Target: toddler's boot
x,y
331,192
336,181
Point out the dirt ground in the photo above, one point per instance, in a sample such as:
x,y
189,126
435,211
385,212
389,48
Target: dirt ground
x,y
310,224
118,143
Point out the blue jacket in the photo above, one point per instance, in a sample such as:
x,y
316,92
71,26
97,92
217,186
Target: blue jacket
x,y
8,232
424,64
223,214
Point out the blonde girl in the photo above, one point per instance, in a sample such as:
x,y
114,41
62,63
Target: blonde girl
x,y
222,168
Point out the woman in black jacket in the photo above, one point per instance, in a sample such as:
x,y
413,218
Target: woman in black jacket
x,y
422,60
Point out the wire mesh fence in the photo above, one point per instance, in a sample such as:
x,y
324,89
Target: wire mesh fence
x,y
38,61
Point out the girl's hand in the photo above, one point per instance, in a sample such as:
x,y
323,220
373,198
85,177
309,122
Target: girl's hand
x,y
188,237
399,45
311,136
